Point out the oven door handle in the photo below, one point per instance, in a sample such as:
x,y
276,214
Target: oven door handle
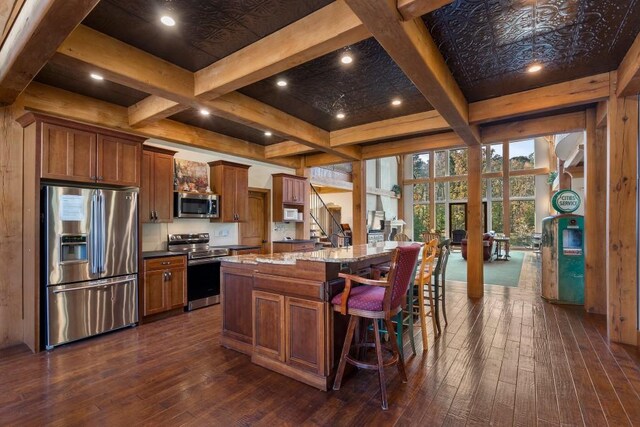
x,y
203,261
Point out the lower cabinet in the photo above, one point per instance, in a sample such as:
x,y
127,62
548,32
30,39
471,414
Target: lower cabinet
x,y
236,287
165,284
290,330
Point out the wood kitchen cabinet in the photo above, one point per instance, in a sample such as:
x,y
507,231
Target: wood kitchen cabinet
x,y
269,325
294,246
231,182
80,153
156,185
236,288
165,284
289,192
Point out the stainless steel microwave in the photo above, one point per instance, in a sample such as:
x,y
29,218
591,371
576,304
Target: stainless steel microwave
x,y
195,205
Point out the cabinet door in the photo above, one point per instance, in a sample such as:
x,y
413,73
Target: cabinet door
x,y
177,285
118,161
155,292
305,326
146,195
268,325
301,188
163,187
235,289
68,154
228,191
242,194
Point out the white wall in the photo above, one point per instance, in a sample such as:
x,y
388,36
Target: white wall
x,y
345,201
154,236
388,177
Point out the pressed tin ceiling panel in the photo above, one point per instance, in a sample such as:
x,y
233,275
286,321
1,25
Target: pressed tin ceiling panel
x,y
205,31
363,90
489,44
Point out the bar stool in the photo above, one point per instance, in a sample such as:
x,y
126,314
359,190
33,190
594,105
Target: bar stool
x,y
377,299
423,280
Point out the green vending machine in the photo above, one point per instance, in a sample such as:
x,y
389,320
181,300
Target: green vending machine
x,y
563,259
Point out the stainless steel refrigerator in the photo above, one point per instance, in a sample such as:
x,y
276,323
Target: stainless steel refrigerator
x,y
90,261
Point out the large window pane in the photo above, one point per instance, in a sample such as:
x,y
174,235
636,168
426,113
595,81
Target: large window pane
x,y
421,165
421,192
497,224
523,221
522,155
420,221
496,188
458,162
484,189
441,191
458,190
441,217
458,216
441,163
522,186
485,153
496,157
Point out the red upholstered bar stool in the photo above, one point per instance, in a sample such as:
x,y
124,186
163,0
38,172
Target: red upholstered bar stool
x,y
377,299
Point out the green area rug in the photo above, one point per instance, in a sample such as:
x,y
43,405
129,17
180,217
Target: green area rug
x,y
503,273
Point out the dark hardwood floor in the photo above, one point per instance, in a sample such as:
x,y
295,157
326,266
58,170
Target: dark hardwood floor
x,y
508,359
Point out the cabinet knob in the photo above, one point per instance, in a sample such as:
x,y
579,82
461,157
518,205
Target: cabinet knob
x,y
93,177
100,178
166,262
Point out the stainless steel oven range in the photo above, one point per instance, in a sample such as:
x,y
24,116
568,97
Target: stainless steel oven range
x,y
203,267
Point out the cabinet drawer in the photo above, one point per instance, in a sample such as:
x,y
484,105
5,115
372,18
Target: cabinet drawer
x,y
288,286
245,251
165,262
304,247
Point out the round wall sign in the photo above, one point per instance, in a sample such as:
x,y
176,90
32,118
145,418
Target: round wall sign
x,y
565,201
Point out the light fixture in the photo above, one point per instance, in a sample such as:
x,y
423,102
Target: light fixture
x,y
340,116
168,21
267,133
396,102
534,68
204,112
96,76
346,58
281,83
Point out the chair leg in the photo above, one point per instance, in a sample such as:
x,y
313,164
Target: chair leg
x,y
433,310
410,310
444,301
423,320
401,371
398,337
437,312
345,351
383,387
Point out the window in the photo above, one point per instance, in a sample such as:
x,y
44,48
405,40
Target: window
x,y
496,188
421,166
522,186
441,191
523,221
458,161
522,155
441,217
420,221
495,154
441,163
497,224
420,193
458,190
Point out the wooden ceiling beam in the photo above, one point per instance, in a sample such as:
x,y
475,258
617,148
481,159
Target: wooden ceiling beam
x,y
412,48
629,71
324,31
49,100
286,149
410,9
561,95
412,145
531,128
121,63
35,34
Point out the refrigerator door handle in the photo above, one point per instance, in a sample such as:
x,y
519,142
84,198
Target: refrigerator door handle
x,y
103,232
93,230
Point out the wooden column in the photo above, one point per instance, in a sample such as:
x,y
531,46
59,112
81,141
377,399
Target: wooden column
x,y
475,263
11,328
506,190
400,180
621,256
432,192
303,229
564,179
595,209
359,175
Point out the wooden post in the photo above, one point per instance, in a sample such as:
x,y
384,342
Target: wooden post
x,y
621,256
303,229
475,262
506,190
564,179
359,174
400,180
595,208
432,192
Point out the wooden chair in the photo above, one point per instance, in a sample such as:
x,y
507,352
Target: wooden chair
x,y
401,237
439,279
428,236
423,281
377,299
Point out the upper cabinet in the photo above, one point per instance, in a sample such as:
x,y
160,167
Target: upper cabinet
x,y
231,182
156,186
75,152
289,192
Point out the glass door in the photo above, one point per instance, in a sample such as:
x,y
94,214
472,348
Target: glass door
x,y
458,217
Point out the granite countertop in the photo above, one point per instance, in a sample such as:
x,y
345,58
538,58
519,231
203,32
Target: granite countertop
x,y
236,247
294,241
158,254
338,255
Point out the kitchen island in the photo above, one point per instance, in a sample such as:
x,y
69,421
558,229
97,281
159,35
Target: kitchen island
x,y
277,308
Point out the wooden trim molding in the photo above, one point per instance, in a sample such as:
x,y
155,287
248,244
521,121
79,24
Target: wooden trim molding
x,y
410,9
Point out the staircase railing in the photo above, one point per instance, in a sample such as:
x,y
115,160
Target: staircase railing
x,y
324,219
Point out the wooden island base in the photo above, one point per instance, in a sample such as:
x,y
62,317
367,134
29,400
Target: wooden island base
x,y
276,308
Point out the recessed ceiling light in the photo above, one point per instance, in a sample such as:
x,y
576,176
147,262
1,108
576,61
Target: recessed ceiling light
x,y
96,76
340,116
534,68
204,112
281,83
346,59
267,133
396,102
168,21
